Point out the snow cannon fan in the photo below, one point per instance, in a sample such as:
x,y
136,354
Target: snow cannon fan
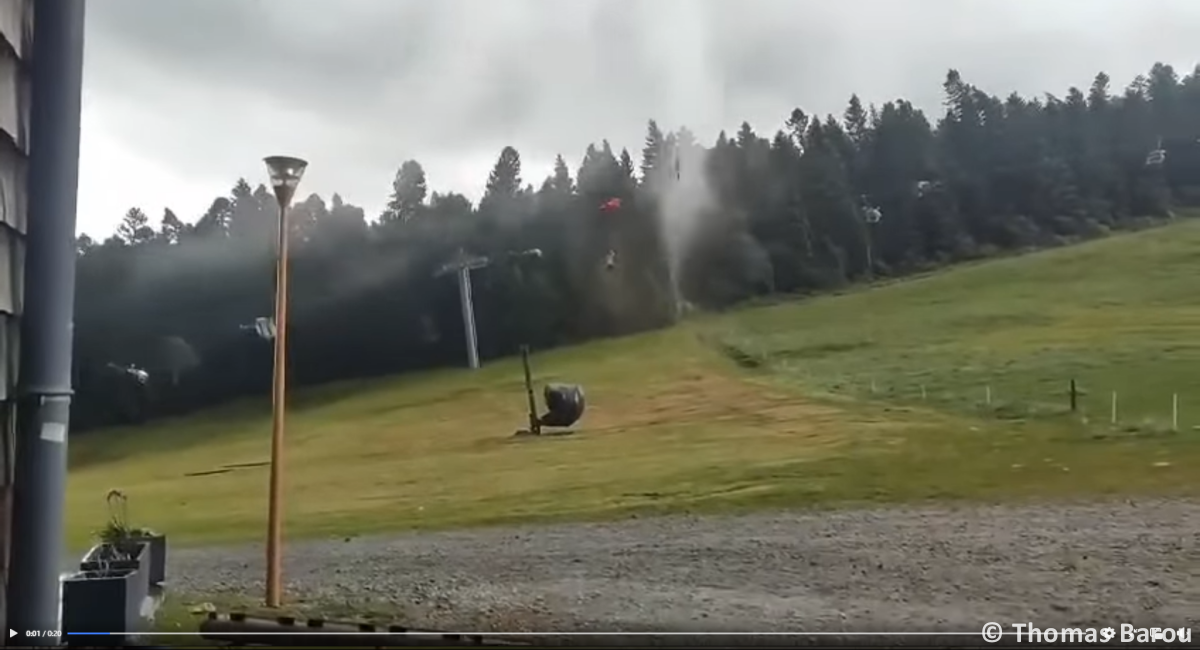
x,y
565,403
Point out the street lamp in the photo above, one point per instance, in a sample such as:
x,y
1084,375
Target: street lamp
x,y
285,173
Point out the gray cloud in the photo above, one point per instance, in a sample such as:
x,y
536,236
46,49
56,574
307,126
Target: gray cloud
x,y
361,85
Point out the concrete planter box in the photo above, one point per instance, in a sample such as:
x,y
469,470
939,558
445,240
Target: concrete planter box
x,y
158,556
109,600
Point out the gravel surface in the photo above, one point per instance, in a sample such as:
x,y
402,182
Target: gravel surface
x,y
925,569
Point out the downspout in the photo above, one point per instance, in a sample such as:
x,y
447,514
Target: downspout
x,y
44,386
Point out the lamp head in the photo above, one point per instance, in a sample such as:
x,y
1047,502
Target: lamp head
x,y
285,173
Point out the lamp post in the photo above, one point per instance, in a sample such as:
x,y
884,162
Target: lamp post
x,y
285,173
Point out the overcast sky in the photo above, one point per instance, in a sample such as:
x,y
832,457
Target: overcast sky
x,y
182,97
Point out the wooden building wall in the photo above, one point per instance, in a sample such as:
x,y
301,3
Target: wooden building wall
x,y
16,31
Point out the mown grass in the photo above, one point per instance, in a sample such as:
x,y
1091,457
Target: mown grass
x,y
1118,314
438,451
762,408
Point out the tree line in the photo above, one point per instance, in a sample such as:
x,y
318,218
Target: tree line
x,y
165,316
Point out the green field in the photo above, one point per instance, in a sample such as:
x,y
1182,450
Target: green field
x,y
876,395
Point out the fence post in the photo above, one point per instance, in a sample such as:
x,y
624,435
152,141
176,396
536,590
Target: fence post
x,y
1114,407
1074,397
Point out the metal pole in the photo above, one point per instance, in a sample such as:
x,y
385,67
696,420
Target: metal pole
x,y
870,257
44,394
468,313
278,403
535,427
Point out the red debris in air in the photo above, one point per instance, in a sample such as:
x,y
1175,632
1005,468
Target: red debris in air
x,y
611,205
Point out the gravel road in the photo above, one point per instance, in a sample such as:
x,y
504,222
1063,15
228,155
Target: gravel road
x,y
920,569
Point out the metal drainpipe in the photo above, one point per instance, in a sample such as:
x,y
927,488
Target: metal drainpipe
x,y
44,387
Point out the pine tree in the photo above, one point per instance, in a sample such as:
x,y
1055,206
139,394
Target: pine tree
x,y
1098,94
856,121
626,162
135,228
561,180
408,193
505,179
253,216
171,228
652,151
215,222
84,244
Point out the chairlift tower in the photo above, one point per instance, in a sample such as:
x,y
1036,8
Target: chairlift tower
x,y
461,266
872,215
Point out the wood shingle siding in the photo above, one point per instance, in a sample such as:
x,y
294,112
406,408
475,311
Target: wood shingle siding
x,y
16,33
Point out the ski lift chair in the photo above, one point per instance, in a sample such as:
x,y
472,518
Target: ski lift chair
x,y
1157,156
263,327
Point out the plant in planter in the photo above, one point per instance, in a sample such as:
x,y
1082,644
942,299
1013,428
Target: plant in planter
x,y
117,550
122,545
109,593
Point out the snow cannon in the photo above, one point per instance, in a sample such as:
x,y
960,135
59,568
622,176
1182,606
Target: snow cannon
x,y
564,402
564,405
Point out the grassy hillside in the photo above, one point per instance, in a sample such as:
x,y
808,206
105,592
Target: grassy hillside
x,y
767,407
1121,314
